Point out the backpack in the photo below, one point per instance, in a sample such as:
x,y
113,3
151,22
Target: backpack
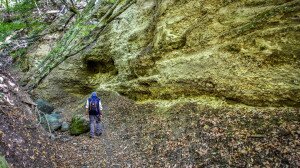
x,y
94,106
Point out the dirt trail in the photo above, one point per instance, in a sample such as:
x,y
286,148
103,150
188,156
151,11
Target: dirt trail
x,y
107,150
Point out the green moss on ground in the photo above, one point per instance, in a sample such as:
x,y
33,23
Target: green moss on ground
x,y
79,125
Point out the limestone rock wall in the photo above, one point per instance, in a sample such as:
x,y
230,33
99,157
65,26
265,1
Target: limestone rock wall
x,y
235,51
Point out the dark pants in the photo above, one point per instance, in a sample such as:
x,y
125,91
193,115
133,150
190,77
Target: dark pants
x,y
95,122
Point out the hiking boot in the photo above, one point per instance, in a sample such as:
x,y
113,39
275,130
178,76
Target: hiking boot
x,y
99,134
91,137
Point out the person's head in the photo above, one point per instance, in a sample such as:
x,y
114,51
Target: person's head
x,y
94,94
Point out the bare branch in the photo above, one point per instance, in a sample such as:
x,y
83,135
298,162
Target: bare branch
x,y
110,11
125,7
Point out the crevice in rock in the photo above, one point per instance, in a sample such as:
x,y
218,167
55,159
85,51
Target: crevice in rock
x,y
101,66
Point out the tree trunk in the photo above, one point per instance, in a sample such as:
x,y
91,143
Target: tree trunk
x,y
7,5
7,17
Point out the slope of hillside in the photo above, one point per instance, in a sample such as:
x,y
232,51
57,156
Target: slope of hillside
x,y
24,143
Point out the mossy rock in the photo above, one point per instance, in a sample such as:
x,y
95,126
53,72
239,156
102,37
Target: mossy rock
x,y
65,126
44,106
54,120
3,162
79,125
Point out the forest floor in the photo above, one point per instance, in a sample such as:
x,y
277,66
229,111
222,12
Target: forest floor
x,y
186,136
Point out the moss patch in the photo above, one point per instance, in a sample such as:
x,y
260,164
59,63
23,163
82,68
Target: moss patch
x,y
79,125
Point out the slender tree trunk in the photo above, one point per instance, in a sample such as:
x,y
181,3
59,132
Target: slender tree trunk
x,y
7,5
7,17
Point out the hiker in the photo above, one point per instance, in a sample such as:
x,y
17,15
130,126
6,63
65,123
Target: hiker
x,y
94,110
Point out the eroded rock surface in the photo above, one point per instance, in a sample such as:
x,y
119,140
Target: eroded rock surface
x,y
240,51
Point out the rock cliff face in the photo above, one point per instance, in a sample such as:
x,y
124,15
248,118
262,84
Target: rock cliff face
x,y
206,51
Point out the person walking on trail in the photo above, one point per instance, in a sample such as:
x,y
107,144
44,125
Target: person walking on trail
x,y
94,110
